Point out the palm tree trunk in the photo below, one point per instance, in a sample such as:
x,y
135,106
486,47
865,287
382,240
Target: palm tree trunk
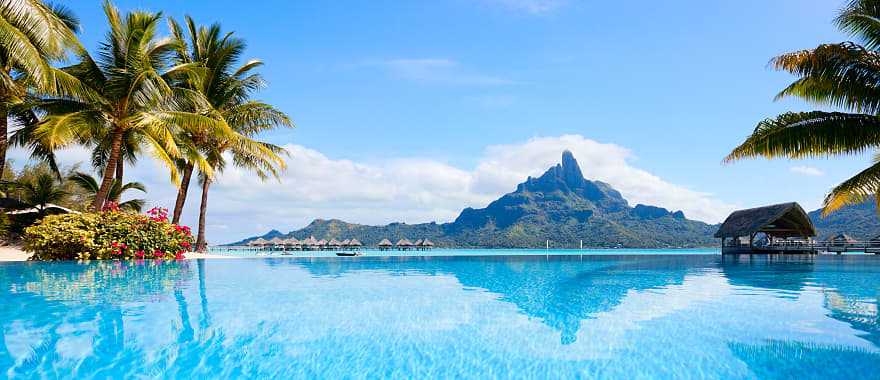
x,y
109,171
120,171
181,193
201,245
4,139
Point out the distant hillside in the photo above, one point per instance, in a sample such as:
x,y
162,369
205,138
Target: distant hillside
x,y
859,221
561,206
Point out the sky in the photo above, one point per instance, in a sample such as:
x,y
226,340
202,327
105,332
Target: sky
x,y
411,111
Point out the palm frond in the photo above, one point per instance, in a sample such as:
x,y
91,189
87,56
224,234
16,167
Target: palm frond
x,y
810,134
856,190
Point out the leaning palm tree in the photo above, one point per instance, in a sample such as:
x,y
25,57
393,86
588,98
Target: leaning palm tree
x,y
228,89
844,75
130,93
117,189
32,36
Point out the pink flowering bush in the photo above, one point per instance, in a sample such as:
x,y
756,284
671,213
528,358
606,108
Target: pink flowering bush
x,y
108,235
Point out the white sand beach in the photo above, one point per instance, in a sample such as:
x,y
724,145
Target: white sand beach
x,y
13,253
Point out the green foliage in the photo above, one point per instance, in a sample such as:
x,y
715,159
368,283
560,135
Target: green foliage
x,y
90,185
842,75
107,235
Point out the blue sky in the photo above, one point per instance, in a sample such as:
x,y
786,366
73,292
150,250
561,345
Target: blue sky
x,y
457,85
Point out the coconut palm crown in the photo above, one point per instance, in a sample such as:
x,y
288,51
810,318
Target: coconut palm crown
x,y
228,88
843,75
130,97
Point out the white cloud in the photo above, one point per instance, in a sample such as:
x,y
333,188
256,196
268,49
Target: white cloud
x,y
412,190
437,71
530,6
807,170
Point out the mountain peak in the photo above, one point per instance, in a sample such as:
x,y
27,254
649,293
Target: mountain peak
x,y
571,171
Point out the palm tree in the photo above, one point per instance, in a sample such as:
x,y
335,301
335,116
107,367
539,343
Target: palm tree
x,y
130,98
117,189
844,75
41,191
227,89
32,35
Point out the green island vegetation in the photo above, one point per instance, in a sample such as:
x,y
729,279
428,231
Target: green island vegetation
x,y
185,100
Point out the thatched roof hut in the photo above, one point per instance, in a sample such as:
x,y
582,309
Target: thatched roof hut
x,y
356,243
309,241
418,243
291,242
334,243
258,242
781,220
276,241
385,243
427,243
346,242
321,242
404,243
784,220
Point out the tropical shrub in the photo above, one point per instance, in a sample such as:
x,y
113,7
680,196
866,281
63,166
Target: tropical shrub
x,y
108,235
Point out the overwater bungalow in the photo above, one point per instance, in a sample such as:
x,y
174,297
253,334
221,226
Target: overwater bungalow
x,y
355,244
334,244
384,245
784,227
426,245
259,243
291,244
404,244
309,243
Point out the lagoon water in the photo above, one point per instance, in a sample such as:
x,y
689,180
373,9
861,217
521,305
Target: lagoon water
x,y
509,316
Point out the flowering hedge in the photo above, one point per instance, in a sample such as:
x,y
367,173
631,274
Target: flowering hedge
x,y
107,235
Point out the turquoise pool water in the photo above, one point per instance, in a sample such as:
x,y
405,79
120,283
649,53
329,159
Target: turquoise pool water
x,y
595,316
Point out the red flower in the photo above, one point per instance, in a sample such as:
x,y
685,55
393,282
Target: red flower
x,y
110,206
179,256
140,254
185,244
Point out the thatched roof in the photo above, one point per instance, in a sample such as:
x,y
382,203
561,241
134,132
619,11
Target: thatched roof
x,y
404,243
309,241
346,242
291,241
334,242
427,243
321,242
385,243
276,240
356,243
842,238
418,243
259,241
780,220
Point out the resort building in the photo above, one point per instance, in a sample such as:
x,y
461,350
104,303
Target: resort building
x,y
780,228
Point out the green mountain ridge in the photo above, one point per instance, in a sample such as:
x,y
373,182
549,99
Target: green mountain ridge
x,y
565,208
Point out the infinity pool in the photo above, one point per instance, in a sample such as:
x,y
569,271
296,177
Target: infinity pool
x,y
627,317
